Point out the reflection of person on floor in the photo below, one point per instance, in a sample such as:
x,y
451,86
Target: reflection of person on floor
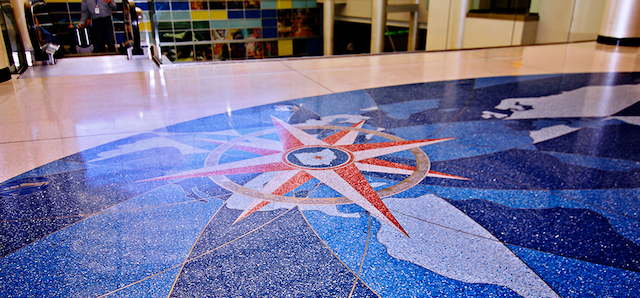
x,y
99,11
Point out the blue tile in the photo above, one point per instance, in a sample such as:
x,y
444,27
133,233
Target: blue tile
x,y
179,5
269,23
163,6
235,14
314,46
144,6
252,14
269,13
270,32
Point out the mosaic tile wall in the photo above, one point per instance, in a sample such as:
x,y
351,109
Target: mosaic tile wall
x,y
214,29
235,30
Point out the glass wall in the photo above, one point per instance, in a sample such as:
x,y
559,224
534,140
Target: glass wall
x,y
201,30
493,23
210,30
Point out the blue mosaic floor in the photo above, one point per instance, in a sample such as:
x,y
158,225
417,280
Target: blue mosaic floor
x,y
496,187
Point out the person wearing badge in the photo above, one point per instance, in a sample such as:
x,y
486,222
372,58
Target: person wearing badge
x,y
99,11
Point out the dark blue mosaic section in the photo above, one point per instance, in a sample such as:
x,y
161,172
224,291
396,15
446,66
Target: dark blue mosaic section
x,y
542,171
72,196
611,141
15,234
576,233
222,230
595,280
466,100
362,291
633,110
268,263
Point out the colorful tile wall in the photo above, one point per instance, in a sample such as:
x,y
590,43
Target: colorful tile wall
x,y
234,30
202,30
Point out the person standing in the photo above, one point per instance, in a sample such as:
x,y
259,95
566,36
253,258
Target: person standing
x,y
99,11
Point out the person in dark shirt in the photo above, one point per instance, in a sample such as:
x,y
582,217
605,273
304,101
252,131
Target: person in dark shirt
x,y
99,11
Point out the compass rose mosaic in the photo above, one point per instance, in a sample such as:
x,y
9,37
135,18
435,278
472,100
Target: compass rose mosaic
x,y
495,187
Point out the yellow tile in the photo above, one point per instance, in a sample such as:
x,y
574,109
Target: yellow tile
x,y
285,47
283,4
199,14
144,26
60,1
218,15
70,1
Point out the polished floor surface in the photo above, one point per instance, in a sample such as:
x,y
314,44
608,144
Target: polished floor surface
x,y
484,173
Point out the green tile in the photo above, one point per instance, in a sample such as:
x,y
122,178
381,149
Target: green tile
x,y
182,15
312,4
268,5
165,26
236,23
202,35
298,4
200,24
254,23
163,15
219,24
181,25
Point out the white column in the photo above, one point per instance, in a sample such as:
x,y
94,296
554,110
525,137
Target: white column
x,y
378,25
445,28
413,29
18,13
329,13
5,73
621,23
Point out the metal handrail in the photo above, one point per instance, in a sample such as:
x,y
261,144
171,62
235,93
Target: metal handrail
x,y
43,49
131,27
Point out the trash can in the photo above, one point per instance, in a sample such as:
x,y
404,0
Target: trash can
x,y
620,23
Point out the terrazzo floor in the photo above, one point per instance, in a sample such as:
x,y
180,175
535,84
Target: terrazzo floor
x,y
511,172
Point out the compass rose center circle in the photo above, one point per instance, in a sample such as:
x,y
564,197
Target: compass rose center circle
x,y
318,157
